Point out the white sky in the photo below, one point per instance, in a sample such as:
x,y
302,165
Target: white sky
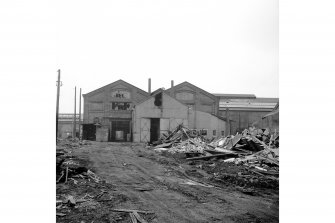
x,y
223,46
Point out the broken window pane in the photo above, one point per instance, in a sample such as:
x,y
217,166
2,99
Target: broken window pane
x,y
120,106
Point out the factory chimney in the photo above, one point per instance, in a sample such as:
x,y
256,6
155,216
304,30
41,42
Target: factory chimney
x,y
149,85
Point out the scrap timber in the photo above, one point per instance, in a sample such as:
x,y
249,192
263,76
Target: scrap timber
x,y
255,149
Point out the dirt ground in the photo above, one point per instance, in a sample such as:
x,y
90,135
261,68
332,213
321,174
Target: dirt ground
x,y
173,189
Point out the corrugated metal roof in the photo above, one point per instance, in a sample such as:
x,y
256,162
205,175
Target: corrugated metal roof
x,y
235,95
261,103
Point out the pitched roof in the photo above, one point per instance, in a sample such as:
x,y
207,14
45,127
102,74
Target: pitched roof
x,y
160,90
187,83
120,81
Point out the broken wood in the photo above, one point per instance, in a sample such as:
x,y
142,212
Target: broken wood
x,y
212,156
71,200
67,172
164,145
139,217
133,218
185,133
60,214
60,177
234,141
129,210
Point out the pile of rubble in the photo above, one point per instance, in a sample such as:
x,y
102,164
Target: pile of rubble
x,y
70,167
255,149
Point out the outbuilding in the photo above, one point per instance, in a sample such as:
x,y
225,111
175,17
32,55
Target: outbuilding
x,y
162,113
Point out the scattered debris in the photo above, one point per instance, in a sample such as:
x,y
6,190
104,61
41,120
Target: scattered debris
x,y
133,218
60,214
255,150
129,210
139,218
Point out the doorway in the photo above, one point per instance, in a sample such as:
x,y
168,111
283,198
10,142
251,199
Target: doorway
x,y
154,129
89,131
120,131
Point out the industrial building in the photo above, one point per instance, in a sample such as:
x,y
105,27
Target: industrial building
x,y
245,110
108,111
122,112
65,125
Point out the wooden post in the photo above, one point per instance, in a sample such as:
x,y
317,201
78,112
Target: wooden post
x,y
79,114
74,117
228,122
57,103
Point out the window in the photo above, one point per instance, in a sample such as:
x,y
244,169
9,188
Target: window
x,y
194,131
116,106
158,99
203,132
96,120
214,132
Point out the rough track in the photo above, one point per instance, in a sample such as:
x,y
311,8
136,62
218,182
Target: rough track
x,y
153,186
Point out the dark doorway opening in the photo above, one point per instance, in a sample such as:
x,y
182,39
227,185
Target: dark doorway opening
x,y
120,131
154,129
89,131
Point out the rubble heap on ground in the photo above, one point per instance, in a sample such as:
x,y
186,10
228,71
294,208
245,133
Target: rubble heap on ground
x,y
255,149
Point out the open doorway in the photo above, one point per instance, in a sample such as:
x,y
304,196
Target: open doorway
x,y
89,131
120,131
154,129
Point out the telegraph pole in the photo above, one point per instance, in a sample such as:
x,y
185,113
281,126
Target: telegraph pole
x,y
228,122
74,117
58,84
79,113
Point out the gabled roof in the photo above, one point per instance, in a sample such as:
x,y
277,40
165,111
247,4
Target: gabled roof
x,y
156,91
160,90
114,83
187,83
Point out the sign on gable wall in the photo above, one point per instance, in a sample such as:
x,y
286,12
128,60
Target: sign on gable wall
x,y
121,94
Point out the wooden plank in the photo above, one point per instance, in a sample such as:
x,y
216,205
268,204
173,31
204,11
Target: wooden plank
x,y
129,210
67,172
234,141
139,217
212,156
164,145
60,176
133,218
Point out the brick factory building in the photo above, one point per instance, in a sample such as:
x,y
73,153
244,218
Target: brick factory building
x,y
123,112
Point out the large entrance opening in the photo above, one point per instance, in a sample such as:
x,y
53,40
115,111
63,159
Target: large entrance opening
x,y
120,131
89,131
154,129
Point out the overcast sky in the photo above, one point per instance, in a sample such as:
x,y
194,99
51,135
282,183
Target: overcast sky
x,y
221,46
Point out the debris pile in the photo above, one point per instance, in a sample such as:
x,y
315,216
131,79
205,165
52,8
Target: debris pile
x,y
182,140
255,150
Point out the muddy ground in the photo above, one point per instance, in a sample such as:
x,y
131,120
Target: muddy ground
x,y
174,189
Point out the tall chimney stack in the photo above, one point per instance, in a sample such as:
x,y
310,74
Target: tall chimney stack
x,y
149,85
171,83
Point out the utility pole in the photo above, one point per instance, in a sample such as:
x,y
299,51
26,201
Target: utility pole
x,y
74,117
58,84
228,122
79,113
